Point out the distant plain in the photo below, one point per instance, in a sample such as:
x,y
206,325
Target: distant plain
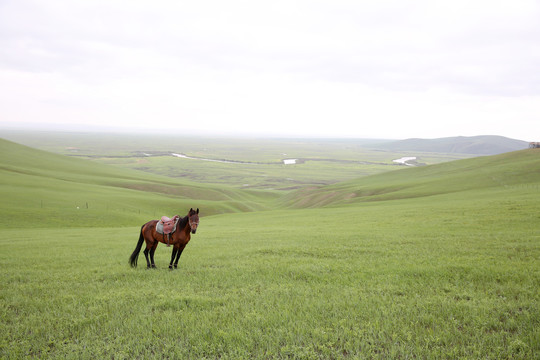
x,y
259,162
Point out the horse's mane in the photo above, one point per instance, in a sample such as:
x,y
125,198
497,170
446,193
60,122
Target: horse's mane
x,y
182,222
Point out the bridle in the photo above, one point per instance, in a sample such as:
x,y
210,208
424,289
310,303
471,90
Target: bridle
x,y
193,224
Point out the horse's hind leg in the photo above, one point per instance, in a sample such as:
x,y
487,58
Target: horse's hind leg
x,y
152,251
146,251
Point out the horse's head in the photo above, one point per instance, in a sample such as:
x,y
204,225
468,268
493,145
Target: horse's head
x,y
193,217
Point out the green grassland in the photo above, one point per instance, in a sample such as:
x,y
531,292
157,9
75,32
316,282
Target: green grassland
x,y
433,262
74,192
260,161
509,174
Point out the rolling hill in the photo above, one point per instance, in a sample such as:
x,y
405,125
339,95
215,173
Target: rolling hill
x,y
475,145
505,172
46,189
58,190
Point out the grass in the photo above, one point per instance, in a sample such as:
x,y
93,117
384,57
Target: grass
x,y
506,172
274,176
377,281
434,262
75,192
325,161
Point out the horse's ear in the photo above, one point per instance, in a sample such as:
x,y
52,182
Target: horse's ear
x,y
197,210
191,210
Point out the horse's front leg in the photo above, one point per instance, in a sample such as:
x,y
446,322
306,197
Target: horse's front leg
x,y
178,256
174,252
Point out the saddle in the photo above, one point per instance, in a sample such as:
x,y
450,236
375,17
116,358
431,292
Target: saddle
x,y
167,226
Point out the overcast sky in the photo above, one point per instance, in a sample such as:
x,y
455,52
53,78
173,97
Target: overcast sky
x,y
370,69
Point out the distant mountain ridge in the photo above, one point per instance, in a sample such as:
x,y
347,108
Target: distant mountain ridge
x,y
474,145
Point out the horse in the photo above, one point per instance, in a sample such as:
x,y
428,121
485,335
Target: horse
x,y
179,239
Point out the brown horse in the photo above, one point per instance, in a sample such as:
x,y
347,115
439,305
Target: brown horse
x,y
179,239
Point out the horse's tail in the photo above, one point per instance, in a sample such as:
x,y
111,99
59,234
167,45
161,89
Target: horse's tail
x,y
135,255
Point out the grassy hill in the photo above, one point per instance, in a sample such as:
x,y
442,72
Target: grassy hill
x,y
509,172
432,262
46,189
477,145
250,163
61,190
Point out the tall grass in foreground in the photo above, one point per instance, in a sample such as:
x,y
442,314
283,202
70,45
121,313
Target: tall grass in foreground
x,y
430,278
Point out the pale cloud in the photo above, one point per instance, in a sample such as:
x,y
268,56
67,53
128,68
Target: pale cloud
x,y
314,68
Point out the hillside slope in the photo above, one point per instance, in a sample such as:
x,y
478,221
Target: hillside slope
x,y
49,189
474,145
509,171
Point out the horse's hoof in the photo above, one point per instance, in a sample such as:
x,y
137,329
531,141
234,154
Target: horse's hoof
x,y
154,266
